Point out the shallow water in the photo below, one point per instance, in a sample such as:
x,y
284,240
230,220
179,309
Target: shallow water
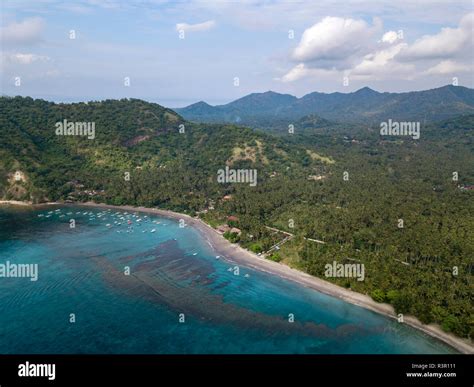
x,y
174,276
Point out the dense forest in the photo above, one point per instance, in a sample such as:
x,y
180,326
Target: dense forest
x,y
402,207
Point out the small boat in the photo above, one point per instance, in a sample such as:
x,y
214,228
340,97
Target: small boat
x,y
154,230
195,253
108,225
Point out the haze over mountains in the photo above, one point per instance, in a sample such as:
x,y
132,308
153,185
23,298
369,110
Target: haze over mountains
x,y
364,105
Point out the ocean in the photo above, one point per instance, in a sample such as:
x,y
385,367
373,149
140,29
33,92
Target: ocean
x,y
130,283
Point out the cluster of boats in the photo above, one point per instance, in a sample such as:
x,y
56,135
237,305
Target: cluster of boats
x,y
125,222
115,219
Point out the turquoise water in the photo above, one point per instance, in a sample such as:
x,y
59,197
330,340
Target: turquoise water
x,y
173,273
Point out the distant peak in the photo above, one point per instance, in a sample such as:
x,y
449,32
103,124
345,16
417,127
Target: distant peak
x,y
451,87
366,90
268,93
264,93
200,103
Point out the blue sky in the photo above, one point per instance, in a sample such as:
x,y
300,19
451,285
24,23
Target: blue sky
x,y
386,45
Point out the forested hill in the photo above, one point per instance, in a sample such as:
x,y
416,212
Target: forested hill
x,y
348,187
264,110
130,136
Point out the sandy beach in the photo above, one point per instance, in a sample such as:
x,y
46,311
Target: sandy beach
x,y
241,256
15,203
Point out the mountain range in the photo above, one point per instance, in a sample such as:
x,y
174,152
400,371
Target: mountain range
x,y
362,106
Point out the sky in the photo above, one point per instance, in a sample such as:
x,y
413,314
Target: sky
x,y
180,52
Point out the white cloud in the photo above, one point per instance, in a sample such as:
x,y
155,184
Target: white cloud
x,y
301,71
380,63
297,72
388,59
390,37
333,41
445,44
26,32
205,26
285,14
25,59
448,67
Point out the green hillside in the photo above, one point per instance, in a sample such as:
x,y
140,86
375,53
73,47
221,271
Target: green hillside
x,y
301,190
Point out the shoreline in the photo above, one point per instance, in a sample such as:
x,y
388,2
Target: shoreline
x,y
242,256
16,203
